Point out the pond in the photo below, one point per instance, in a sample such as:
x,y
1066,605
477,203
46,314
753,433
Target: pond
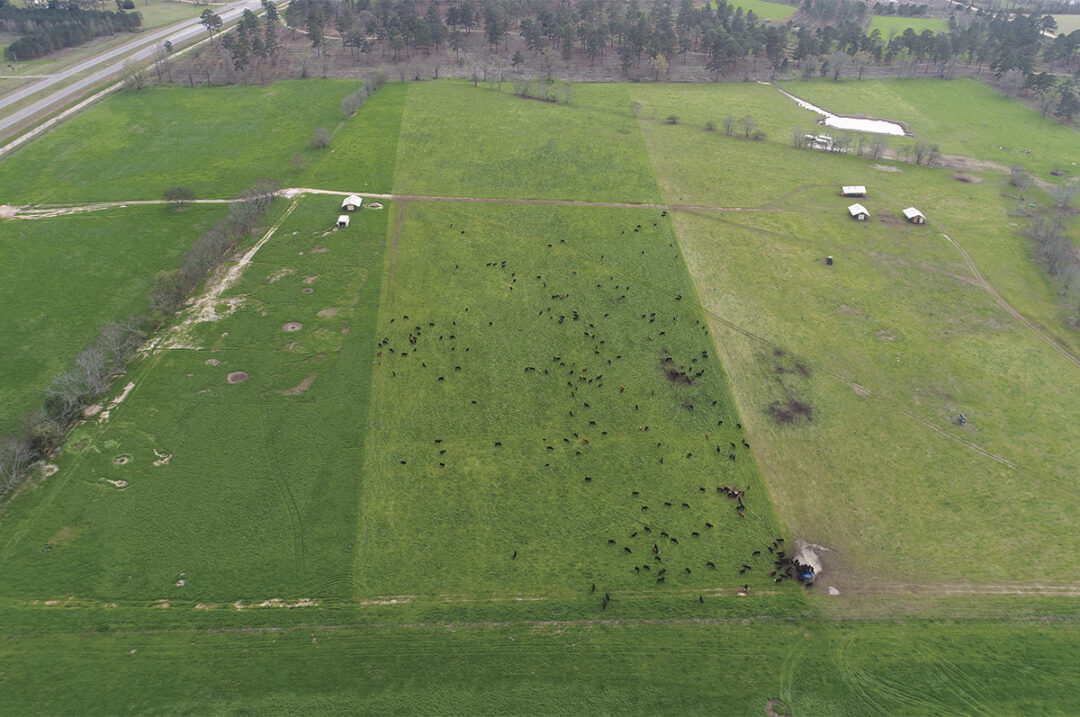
x,y
853,124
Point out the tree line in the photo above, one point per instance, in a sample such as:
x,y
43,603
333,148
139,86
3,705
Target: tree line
x,y
106,357
45,30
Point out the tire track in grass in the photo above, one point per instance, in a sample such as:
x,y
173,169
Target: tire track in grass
x,y
299,560
859,389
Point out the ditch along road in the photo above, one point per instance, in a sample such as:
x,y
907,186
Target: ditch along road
x,y
47,211
104,66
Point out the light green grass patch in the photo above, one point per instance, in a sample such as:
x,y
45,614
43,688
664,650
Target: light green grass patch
x,y
1067,23
896,341
64,278
461,140
766,9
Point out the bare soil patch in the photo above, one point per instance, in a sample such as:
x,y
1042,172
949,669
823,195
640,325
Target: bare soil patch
x,y
373,205
791,410
307,290
328,312
966,178
885,168
292,326
891,219
122,460
319,250
300,387
212,362
777,708
237,377
968,164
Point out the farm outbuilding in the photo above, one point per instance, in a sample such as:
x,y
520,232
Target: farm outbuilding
x,y
855,190
859,212
343,221
914,216
351,203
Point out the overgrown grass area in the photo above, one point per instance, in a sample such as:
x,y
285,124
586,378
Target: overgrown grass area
x,y
461,140
198,489
547,407
889,25
182,130
963,116
63,278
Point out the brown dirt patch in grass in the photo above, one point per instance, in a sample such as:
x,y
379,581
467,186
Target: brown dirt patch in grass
x,y
328,312
122,460
885,168
292,326
790,411
319,250
300,387
777,708
677,377
307,290
891,220
966,178
237,377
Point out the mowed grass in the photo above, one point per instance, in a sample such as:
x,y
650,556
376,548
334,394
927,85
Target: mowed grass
x,y
962,116
545,385
889,25
64,278
234,491
182,130
766,9
820,668
461,140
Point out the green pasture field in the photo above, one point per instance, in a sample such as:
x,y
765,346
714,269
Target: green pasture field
x,y
526,149
593,320
765,9
183,130
962,116
287,444
812,667
1067,23
889,25
51,313
316,483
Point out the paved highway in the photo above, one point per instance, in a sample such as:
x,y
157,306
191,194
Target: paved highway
x,y
107,66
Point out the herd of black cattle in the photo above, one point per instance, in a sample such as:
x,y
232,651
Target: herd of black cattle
x,y
650,549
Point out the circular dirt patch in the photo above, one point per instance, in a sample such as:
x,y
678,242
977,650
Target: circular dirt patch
x,y
121,460
307,290
373,205
292,326
237,377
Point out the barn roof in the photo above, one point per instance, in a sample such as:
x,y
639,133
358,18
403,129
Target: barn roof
x,y
352,200
857,209
854,190
911,212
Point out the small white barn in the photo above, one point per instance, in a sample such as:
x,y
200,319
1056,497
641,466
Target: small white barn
x,y
343,221
855,190
914,216
351,203
859,212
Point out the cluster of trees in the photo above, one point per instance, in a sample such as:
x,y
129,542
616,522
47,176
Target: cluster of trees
x,y
903,9
94,368
1049,233
55,27
252,41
